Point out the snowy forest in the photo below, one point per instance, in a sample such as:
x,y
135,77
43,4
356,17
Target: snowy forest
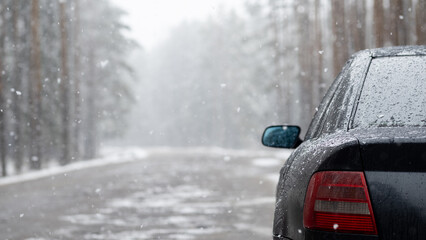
x,y
67,84
64,81
221,81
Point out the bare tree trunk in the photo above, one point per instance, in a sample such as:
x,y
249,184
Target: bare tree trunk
x,y
421,22
17,99
91,131
279,84
410,22
77,77
35,88
357,25
318,53
379,23
362,15
2,97
340,50
65,87
397,27
305,60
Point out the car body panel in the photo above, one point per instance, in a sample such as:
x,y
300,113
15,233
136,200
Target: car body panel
x,y
331,144
399,204
320,153
314,235
327,153
394,161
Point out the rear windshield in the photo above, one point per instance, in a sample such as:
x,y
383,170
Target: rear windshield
x,y
394,93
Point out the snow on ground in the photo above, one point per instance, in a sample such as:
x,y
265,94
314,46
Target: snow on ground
x,y
181,208
275,163
116,155
218,151
188,209
273,177
278,159
267,162
109,156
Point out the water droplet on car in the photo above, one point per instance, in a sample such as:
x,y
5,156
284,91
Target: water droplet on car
x,y
335,226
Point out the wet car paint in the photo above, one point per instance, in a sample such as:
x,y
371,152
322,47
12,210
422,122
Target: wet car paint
x,y
331,144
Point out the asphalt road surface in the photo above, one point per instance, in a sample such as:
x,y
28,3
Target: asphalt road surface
x,y
167,195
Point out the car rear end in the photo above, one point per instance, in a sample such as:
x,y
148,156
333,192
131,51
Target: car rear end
x,y
395,170
367,179
386,200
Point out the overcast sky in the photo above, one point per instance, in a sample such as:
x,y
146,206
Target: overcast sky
x,y
150,20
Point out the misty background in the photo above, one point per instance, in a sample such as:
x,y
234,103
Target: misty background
x,y
75,76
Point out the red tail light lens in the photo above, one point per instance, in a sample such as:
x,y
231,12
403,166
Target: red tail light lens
x,y
339,201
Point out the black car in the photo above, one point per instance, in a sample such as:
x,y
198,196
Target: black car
x,y
360,172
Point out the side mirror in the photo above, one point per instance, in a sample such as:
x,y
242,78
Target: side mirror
x,y
281,136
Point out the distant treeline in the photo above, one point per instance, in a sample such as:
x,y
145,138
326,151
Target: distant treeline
x,y
221,81
311,40
61,84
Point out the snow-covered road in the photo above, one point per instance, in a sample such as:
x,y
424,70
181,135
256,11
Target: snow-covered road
x,y
156,194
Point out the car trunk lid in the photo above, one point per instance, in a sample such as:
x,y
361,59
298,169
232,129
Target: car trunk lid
x,y
394,162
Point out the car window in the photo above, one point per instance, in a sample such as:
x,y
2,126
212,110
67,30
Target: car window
x,y
328,105
338,114
394,93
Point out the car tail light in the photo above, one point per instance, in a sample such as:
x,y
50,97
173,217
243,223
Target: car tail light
x,y
339,201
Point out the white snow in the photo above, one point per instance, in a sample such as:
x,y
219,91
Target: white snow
x,y
194,217
111,156
267,162
256,201
273,178
227,153
251,228
190,206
